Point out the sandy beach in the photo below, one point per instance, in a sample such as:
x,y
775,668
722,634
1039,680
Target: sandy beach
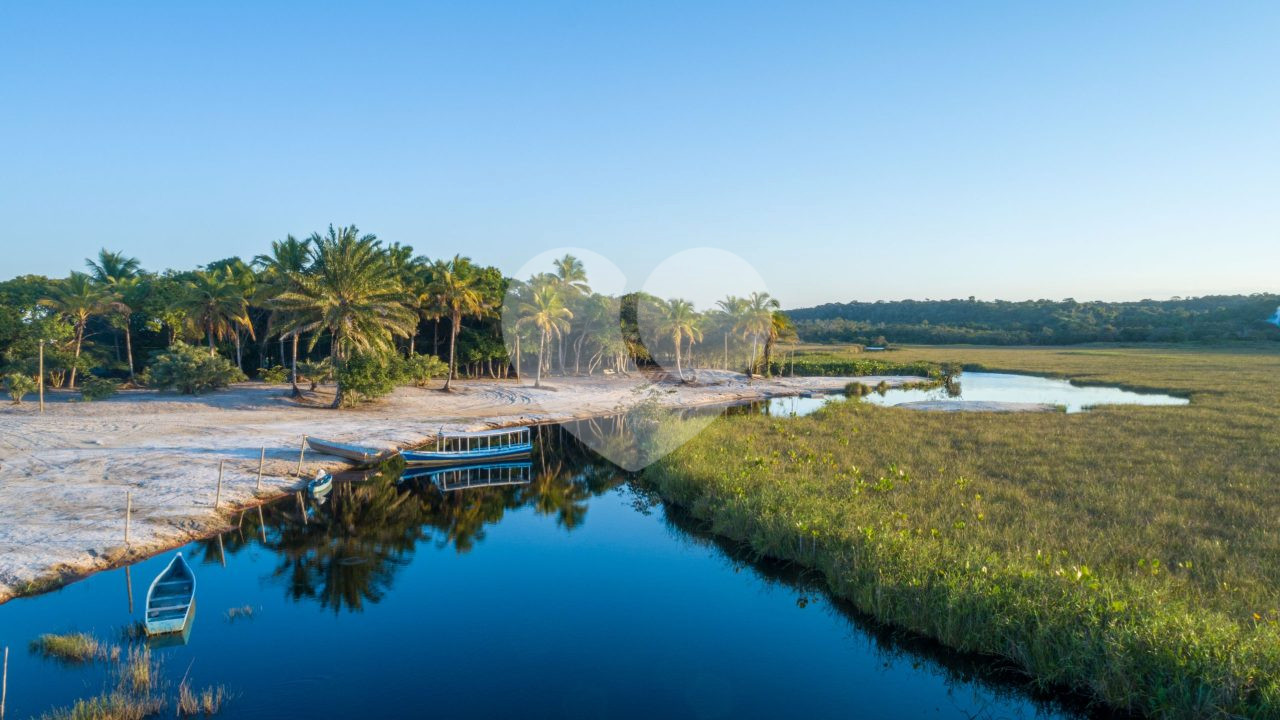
x,y
65,475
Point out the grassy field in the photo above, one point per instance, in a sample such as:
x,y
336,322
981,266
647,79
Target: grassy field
x,y
1132,553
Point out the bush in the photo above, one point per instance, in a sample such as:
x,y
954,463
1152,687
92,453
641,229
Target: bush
x,y
17,385
315,371
96,388
274,376
368,376
422,369
191,370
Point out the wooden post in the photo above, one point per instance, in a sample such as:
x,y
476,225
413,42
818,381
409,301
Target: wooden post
x,y
261,459
302,509
217,499
128,513
40,382
4,682
301,453
128,584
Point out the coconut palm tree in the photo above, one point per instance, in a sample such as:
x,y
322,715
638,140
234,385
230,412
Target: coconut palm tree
x,y
780,328
543,309
678,320
454,292
120,274
757,322
731,314
79,298
214,305
350,293
288,259
112,266
571,275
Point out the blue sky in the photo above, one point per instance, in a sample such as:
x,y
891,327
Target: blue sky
x,y
845,150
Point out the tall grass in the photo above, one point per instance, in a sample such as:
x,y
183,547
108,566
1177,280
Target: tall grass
x,y
1132,553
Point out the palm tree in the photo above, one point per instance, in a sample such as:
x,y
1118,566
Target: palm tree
x,y
214,304
455,292
571,275
280,269
731,314
112,267
678,320
79,298
120,274
757,322
544,310
350,293
780,328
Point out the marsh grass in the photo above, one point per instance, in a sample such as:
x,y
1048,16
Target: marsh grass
x,y
206,702
1132,553
114,705
71,648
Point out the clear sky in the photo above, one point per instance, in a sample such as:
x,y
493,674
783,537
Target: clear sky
x,y
846,150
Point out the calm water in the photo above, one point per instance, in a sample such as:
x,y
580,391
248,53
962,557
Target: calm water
x,y
574,594
992,387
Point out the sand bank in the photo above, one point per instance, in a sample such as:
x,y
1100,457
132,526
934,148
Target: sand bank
x,y
64,475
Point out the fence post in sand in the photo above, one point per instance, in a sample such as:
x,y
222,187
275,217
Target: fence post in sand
x,y
302,451
217,499
261,459
128,514
41,382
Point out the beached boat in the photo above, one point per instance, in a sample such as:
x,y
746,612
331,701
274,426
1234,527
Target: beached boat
x,y
473,447
171,599
472,476
355,453
320,484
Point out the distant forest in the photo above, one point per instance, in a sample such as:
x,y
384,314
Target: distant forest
x,y
1041,322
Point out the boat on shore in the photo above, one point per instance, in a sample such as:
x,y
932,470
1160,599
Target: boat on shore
x,y
355,453
171,599
473,447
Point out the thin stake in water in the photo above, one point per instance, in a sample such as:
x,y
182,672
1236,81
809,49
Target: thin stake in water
x,y
301,453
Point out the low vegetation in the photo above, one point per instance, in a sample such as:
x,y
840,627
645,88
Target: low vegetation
x,y
69,648
96,388
1127,552
191,370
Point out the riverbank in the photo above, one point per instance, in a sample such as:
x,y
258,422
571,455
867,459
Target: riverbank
x,y
1130,553
67,475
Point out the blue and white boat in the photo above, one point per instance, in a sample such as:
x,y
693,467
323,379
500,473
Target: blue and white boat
x,y
473,447
463,477
320,485
171,599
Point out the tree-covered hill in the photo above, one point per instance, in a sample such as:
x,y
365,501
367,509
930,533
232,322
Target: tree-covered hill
x,y
1041,322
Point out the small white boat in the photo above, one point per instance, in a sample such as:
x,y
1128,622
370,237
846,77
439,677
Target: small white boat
x,y
355,453
320,484
171,599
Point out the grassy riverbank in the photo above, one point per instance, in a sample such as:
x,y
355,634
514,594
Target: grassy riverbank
x,y
1130,552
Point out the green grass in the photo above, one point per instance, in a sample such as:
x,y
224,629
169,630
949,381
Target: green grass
x,y
69,648
1131,553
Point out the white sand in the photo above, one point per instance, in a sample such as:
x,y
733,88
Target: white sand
x,y
64,474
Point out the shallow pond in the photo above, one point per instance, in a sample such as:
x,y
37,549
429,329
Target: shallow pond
x,y
571,593
988,387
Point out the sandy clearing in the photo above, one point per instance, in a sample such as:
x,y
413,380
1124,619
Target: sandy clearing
x,y
64,475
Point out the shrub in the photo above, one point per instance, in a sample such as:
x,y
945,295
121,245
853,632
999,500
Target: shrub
x,y
274,376
422,369
191,370
315,371
17,385
368,376
96,388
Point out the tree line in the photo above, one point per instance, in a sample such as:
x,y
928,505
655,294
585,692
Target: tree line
x,y
1041,322
342,307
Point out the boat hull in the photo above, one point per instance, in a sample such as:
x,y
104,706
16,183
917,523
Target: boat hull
x,y
434,458
353,453
171,599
